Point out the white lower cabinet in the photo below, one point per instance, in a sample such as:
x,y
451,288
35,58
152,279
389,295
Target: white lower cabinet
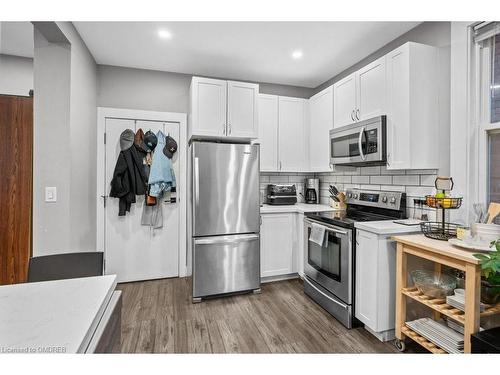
x,y
277,244
375,283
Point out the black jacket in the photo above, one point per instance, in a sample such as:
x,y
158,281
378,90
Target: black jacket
x,y
128,180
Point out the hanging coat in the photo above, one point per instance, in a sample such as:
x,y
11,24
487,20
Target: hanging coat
x,y
161,180
161,175
128,180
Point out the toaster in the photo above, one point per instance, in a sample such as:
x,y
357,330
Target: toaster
x,y
281,194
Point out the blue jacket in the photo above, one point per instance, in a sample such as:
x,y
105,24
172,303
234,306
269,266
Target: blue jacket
x,y
161,175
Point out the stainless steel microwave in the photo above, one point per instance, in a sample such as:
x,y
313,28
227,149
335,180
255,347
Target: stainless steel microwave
x,y
362,143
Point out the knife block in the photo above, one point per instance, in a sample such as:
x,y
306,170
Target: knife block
x,y
338,205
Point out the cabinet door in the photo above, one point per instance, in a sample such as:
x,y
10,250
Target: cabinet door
x,y
371,90
344,101
276,246
208,107
398,108
320,124
268,132
292,135
242,98
366,278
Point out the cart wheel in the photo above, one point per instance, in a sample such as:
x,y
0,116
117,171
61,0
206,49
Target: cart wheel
x,y
400,345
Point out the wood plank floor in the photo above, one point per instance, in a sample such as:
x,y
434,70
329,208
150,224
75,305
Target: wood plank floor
x,y
158,317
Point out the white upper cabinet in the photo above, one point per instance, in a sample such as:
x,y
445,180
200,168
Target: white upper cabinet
x,y
292,143
371,90
412,108
223,109
344,101
320,124
361,95
208,107
268,132
242,113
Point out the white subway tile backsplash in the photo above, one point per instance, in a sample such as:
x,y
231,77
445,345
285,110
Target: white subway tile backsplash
x,y
367,171
369,187
361,179
381,180
419,191
344,179
384,170
329,179
264,178
406,180
401,189
427,179
421,171
352,186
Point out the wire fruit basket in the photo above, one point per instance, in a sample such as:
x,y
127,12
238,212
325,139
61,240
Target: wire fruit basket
x,y
441,230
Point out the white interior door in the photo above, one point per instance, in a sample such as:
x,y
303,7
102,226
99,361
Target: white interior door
x,y
134,251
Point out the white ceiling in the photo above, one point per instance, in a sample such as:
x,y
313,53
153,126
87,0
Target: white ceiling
x,y
255,51
16,38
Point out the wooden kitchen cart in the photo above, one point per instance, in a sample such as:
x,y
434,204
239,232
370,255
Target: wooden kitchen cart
x,y
441,253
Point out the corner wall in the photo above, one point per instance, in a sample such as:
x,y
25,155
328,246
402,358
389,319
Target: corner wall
x,y
16,75
64,141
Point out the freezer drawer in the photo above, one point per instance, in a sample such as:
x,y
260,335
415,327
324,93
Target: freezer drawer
x,y
226,264
225,188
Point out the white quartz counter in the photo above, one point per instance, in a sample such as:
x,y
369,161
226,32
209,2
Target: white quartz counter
x,y
294,208
52,316
388,227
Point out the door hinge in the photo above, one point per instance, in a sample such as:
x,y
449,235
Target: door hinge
x,y
104,138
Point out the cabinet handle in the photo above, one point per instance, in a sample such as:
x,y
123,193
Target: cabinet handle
x,y
280,165
224,129
388,159
229,128
357,114
352,115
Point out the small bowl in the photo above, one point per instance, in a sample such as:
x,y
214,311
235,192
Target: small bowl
x,y
432,284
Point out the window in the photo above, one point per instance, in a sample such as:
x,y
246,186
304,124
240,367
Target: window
x,y
487,45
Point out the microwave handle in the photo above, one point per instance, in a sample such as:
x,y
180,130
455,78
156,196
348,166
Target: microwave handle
x,y
360,143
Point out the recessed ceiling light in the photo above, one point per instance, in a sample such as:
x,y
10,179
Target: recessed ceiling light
x,y
164,34
297,54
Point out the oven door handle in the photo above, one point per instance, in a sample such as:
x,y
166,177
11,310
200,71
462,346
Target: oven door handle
x,y
360,143
344,306
327,227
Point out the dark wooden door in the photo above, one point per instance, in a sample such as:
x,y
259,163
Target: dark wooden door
x,y
16,175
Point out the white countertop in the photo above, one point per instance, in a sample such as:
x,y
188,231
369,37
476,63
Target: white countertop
x,y
297,208
60,313
387,227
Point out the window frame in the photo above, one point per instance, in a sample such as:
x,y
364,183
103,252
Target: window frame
x,y
483,74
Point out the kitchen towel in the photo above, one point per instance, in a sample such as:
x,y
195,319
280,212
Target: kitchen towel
x,y
317,234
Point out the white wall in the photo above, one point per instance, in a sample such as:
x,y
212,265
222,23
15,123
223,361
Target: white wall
x,y
16,75
64,144
160,91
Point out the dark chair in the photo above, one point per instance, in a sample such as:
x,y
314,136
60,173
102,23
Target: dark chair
x,y
65,266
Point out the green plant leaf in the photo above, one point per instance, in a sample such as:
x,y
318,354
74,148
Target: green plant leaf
x,y
481,256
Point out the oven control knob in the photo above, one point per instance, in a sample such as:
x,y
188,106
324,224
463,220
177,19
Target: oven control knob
x,y
393,200
355,196
349,195
384,199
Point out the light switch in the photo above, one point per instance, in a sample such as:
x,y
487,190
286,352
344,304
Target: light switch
x,y
50,194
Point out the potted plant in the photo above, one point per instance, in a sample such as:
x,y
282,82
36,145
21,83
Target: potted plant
x,y
490,281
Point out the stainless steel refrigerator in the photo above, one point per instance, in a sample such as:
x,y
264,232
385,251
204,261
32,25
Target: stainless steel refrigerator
x,y
225,218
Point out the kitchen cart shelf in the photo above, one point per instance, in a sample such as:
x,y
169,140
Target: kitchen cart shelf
x,y
433,348
442,307
441,253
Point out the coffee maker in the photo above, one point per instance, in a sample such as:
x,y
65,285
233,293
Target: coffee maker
x,y
311,188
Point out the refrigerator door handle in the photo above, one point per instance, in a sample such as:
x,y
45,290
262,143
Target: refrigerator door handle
x,y
196,181
226,239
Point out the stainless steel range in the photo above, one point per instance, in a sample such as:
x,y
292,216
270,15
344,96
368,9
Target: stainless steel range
x,y
331,247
